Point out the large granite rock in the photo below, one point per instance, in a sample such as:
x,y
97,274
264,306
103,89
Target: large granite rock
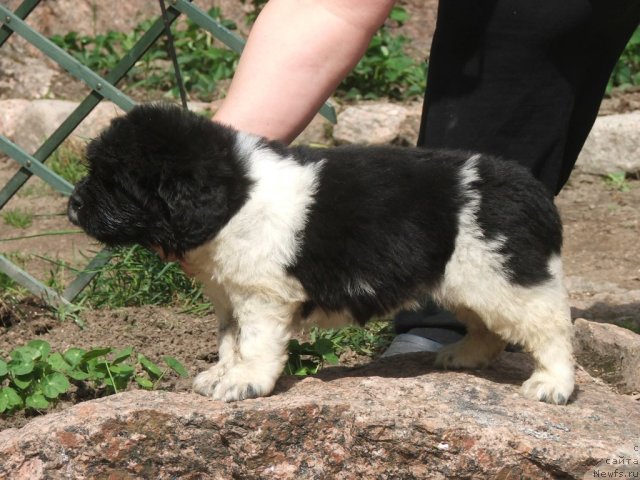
x,y
11,111
24,76
396,418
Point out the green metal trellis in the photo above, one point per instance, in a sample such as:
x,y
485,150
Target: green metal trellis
x,y
13,22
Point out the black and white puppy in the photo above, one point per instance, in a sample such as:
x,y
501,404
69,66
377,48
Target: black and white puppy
x,y
284,236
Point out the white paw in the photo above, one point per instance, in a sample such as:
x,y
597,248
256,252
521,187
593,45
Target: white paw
x,y
238,382
547,387
206,381
244,381
462,355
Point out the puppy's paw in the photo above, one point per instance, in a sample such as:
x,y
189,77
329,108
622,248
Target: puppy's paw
x,y
241,382
547,387
206,382
461,355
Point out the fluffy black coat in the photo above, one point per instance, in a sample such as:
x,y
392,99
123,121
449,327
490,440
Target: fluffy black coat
x,y
390,216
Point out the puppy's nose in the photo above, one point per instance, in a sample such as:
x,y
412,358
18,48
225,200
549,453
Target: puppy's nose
x,y
75,204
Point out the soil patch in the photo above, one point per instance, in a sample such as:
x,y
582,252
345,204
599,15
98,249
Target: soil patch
x,y
153,331
601,229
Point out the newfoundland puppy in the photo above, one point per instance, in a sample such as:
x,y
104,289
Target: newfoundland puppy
x,y
288,236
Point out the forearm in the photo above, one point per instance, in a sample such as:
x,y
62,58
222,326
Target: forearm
x,y
297,53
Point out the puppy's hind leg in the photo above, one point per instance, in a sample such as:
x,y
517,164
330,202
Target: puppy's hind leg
x,y
476,350
550,345
539,319
553,379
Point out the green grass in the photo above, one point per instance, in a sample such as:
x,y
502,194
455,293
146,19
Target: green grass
x,y
617,181
630,324
6,282
68,163
204,61
371,340
385,71
626,73
135,276
18,218
326,346
9,288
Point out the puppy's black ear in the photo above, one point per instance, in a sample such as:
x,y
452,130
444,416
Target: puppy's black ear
x,y
187,197
195,209
200,200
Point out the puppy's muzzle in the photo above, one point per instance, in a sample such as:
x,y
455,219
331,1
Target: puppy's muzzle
x,y
74,206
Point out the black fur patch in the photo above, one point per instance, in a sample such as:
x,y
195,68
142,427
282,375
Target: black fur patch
x,y
160,176
519,210
365,226
388,217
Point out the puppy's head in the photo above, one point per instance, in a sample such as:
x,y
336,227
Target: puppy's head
x,y
161,177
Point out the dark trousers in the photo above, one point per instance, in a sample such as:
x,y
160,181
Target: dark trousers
x,y
520,79
523,79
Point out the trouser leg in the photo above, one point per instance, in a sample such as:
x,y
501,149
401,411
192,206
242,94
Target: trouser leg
x,y
523,80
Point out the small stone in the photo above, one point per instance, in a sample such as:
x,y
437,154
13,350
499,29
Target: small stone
x,y
370,123
613,145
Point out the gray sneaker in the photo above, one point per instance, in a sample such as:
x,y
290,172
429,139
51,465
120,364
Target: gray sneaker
x,y
428,330
424,330
422,340
429,316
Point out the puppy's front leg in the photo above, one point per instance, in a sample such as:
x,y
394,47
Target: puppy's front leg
x,y
264,329
205,382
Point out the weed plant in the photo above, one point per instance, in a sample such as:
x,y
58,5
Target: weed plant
x,y
67,162
617,181
18,218
326,346
10,291
202,61
34,378
6,283
136,276
627,71
385,71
